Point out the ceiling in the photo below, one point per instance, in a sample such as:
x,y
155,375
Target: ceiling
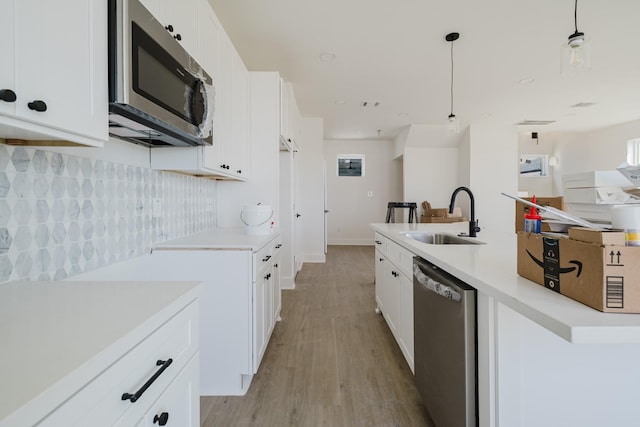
x,y
394,53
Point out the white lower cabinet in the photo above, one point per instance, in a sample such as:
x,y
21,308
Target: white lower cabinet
x,y
174,407
142,381
394,292
238,308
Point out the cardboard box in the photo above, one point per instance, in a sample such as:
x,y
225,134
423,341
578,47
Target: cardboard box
x,y
602,276
595,179
440,219
522,209
594,235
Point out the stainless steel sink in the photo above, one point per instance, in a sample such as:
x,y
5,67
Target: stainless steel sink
x,y
443,239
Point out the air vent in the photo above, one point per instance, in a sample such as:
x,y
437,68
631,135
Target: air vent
x,y
535,122
370,104
583,105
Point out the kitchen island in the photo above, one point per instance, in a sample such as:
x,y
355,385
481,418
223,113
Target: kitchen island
x,y
543,359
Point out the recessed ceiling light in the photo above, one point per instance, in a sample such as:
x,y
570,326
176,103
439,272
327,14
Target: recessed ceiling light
x,y
526,80
340,102
327,56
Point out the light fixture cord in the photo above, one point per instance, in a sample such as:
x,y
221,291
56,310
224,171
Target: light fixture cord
x,y
575,16
452,77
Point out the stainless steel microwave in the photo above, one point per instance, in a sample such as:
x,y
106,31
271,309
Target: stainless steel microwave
x,y
158,94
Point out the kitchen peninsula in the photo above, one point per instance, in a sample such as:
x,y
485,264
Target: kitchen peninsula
x,y
543,359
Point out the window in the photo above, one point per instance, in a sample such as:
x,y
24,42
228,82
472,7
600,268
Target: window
x,y
350,165
633,152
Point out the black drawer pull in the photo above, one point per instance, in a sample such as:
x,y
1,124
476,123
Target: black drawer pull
x,y
7,95
279,245
378,242
161,419
133,397
177,37
267,258
37,105
169,28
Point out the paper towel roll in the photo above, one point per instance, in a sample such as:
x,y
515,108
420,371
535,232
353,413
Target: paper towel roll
x,y
625,217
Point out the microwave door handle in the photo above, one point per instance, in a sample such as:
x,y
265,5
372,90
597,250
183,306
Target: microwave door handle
x,y
198,96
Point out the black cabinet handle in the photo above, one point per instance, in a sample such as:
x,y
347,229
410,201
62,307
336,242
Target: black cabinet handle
x,y
394,274
169,28
37,105
275,265
177,37
279,245
378,242
381,259
298,215
133,397
161,419
267,258
239,171
7,95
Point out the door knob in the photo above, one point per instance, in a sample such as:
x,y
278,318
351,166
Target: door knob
x,y
7,95
37,105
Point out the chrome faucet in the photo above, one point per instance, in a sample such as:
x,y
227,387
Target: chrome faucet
x,y
473,224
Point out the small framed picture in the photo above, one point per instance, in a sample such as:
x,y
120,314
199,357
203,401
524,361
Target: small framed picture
x,y
350,165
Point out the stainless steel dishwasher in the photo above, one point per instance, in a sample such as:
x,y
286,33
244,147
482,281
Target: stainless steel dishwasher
x,y
444,314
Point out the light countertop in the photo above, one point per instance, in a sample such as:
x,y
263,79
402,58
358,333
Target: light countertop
x,y
57,335
220,238
491,269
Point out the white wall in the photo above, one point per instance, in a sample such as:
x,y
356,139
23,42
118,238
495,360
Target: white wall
x,y
351,209
430,174
493,169
311,190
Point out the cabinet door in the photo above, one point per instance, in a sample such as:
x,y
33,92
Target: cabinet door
x,y
259,327
238,151
277,294
61,59
179,405
380,278
7,46
182,17
392,297
405,328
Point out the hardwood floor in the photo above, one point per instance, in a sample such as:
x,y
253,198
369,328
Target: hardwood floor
x,y
331,361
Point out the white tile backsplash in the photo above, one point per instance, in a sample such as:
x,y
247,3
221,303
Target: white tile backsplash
x,y
62,215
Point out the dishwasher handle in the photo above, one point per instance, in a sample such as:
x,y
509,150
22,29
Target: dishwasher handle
x,y
441,289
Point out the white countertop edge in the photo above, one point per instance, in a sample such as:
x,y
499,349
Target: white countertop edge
x,y
48,400
220,239
570,320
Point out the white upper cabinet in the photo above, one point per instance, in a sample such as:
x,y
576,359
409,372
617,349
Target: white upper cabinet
x,y
288,117
228,157
179,18
53,81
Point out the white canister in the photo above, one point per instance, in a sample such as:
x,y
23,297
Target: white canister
x,y
627,218
257,219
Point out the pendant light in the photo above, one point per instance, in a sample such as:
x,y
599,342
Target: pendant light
x,y
576,54
452,121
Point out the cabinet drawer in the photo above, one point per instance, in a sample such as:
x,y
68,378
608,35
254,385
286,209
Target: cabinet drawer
x,y
262,259
178,406
380,243
393,252
405,262
101,402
